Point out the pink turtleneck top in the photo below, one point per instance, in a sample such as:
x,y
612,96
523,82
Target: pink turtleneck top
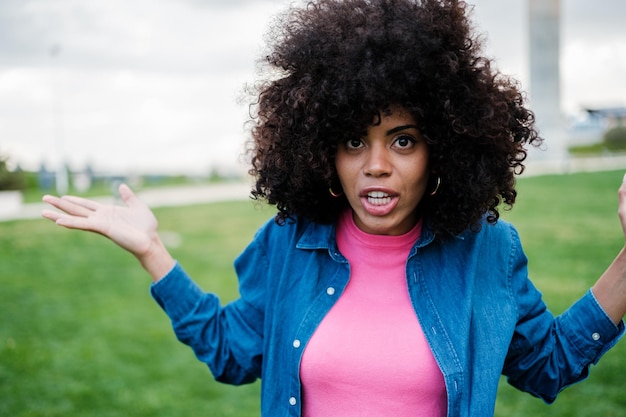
x,y
369,356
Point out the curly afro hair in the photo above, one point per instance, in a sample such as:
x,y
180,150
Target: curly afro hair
x,y
338,64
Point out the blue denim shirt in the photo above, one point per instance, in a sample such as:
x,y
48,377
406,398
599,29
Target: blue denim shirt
x,y
479,311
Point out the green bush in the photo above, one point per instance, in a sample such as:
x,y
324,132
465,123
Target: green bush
x,y
10,180
615,138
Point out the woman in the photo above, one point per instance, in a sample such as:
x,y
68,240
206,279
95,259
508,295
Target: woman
x,y
386,284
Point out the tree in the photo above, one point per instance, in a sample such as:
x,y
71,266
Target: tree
x,y
615,138
10,180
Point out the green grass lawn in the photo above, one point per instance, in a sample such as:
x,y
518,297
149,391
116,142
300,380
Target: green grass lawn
x,y
570,232
80,335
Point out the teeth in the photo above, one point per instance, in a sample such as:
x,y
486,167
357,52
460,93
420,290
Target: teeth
x,y
377,194
378,198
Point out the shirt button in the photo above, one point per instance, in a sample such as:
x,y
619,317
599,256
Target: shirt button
x,y
595,336
293,401
296,343
330,291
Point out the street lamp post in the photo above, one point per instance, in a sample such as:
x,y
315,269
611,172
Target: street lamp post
x,y
61,177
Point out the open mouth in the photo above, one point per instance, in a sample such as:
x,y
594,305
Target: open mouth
x,y
378,198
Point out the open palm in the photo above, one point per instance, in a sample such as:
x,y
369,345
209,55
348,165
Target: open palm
x,y
132,226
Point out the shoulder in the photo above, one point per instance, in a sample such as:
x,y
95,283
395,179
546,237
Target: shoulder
x,y
277,247
500,233
300,232
502,229
493,242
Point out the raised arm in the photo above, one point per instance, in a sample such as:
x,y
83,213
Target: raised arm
x,y
131,226
610,289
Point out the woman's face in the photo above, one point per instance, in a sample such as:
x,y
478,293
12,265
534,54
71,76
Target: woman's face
x,y
384,174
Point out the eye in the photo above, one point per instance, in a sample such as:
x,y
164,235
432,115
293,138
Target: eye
x,y
354,143
404,141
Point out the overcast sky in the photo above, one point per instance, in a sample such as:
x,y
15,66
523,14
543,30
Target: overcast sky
x,y
153,85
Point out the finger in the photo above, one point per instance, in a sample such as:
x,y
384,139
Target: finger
x,y
58,203
50,199
622,202
128,196
55,201
50,215
75,206
72,222
622,191
83,202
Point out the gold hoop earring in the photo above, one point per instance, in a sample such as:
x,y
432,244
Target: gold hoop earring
x,y
436,186
334,194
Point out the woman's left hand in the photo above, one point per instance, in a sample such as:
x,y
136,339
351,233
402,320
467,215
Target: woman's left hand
x,y
622,204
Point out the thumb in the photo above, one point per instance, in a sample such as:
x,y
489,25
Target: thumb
x,y
127,195
622,203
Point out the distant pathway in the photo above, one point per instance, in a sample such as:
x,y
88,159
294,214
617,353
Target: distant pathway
x,y
197,194
158,197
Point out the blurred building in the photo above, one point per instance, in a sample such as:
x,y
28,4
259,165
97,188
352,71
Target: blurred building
x,y
590,127
545,84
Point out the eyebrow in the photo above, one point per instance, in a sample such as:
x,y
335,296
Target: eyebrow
x,y
400,129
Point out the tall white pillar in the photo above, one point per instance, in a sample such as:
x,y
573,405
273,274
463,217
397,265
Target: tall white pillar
x,y
545,88
61,177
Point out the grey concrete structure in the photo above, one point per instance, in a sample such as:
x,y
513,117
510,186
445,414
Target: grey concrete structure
x,y
545,88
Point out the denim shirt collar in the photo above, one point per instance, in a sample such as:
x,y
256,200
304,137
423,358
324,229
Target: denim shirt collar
x,y
323,236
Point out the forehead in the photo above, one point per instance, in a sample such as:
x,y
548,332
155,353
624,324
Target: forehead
x,y
392,115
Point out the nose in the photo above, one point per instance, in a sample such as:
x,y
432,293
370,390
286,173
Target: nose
x,y
378,162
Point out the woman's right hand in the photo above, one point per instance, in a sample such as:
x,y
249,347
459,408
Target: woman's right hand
x,y
131,226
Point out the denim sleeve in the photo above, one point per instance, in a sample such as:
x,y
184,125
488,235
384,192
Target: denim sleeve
x,y
549,353
212,331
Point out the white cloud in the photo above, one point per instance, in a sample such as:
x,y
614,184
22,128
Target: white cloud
x,y
124,119
152,84
134,87
597,71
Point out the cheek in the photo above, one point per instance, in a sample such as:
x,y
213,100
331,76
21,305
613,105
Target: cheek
x,y
419,181
345,170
